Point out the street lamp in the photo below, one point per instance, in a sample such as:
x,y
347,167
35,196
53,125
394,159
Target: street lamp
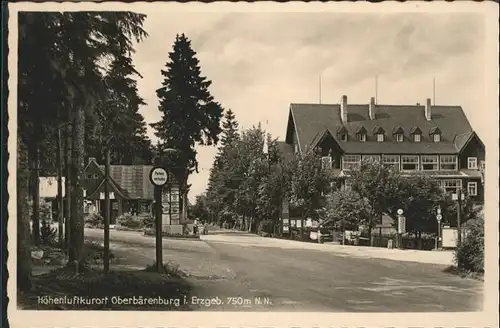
x,y
438,218
107,204
459,197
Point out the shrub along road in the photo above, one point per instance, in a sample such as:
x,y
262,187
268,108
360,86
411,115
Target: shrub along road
x,y
238,271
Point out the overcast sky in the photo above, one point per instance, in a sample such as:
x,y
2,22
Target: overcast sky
x,y
261,62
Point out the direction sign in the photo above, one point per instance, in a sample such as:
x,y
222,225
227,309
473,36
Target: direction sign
x,y
158,176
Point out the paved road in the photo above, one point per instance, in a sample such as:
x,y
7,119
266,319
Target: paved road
x,y
244,269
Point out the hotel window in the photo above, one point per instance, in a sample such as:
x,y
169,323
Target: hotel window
x,y
380,137
436,137
409,163
391,161
343,137
350,162
472,188
371,158
429,163
362,137
399,137
326,162
451,186
448,163
416,137
472,163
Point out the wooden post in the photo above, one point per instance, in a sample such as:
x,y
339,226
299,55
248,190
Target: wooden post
x,y
67,187
459,218
107,212
159,236
59,189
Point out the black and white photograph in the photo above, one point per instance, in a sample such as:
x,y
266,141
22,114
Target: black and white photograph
x,y
261,159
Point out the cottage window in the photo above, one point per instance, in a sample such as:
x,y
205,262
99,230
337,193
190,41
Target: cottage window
x,y
326,162
448,162
436,137
472,163
429,163
409,163
399,137
416,137
362,137
391,161
472,188
380,137
451,186
350,162
371,158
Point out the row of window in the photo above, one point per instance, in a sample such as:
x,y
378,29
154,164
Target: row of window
x,y
448,185
399,137
405,162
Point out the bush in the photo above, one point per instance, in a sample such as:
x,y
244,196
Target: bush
x,y
147,222
94,220
266,226
129,221
469,256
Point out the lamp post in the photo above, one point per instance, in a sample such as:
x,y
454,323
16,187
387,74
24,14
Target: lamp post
x,y
438,219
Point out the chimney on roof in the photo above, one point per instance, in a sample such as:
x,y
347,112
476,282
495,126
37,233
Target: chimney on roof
x,y
371,108
343,109
428,110
92,159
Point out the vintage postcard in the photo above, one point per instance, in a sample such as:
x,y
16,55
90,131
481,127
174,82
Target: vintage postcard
x,y
266,164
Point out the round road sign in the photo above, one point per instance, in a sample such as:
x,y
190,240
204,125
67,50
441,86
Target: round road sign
x,y
439,217
400,211
158,176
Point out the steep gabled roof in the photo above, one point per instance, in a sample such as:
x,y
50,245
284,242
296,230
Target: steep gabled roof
x,y
361,130
434,130
398,130
308,119
378,130
415,130
342,130
133,178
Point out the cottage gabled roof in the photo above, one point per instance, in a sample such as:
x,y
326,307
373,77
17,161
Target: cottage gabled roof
x,y
378,130
398,130
133,178
308,119
361,130
415,130
434,130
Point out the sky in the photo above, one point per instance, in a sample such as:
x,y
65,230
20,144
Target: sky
x,y
259,63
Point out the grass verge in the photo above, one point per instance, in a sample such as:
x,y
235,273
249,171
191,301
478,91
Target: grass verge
x,y
464,273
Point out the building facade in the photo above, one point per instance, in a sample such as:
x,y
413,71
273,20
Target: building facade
x,y
435,140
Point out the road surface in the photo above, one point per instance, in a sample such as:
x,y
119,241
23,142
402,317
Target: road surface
x,y
245,272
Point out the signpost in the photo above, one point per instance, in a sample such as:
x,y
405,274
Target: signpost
x,y
158,177
439,217
401,227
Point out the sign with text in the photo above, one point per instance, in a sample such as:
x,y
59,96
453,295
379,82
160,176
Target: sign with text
x,y
158,176
401,224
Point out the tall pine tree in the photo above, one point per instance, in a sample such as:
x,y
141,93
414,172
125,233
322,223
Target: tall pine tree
x,y
191,116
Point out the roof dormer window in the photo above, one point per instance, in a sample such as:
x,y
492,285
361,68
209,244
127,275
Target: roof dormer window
x,y
435,134
399,133
342,133
416,134
361,133
380,133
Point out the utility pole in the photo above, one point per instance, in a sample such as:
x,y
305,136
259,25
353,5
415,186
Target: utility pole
x,y
460,195
67,186
59,189
107,207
